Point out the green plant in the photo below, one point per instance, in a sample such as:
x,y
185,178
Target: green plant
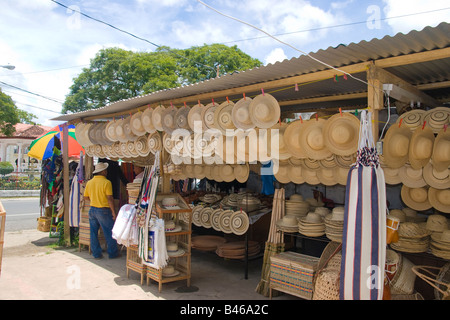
x,y
6,168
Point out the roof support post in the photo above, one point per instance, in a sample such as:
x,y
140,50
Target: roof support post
x,y
374,98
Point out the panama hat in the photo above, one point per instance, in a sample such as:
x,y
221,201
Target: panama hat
x,y
127,129
440,199
84,134
416,198
227,173
215,173
110,131
264,111
288,223
79,132
157,114
311,177
326,176
441,150
396,146
296,174
436,118
199,171
99,167
224,221
341,133
136,124
328,162
167,142
239,222
276,142
421,147
436,223
436,179
215,219
341,175
345,161
240,114
141,146
292,139
241,172
168,119
170,271
92,133
281,173
207,115
222,117
243,145
147,122
154,142
312,139
205,217
173,250
412,119
102,133
391,176
181,118
411,177
195,114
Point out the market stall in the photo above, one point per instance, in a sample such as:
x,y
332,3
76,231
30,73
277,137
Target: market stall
x,y
227,144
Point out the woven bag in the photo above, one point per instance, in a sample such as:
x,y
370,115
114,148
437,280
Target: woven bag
x,y
327,280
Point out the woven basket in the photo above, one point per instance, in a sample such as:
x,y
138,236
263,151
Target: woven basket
x,y
404,278
327,280
44,224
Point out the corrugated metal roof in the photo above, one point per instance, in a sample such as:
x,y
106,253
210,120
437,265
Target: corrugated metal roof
x,y
430,38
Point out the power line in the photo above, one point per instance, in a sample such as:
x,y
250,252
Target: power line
x,y
42,71
36,107
337,26
36,94
132,35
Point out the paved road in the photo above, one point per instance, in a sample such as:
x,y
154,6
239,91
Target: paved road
x,y
21,213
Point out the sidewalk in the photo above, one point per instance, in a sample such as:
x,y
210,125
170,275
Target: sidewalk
x,y
31,269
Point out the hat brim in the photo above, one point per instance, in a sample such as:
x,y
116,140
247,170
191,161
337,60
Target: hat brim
x,y
406,198
416,160
433,197
292,139
195,114
437,117
103,167
224,109
147,122
137,119
270,102
412,119
157,118
207,116
305,131
241,172
168,122
410,181
391,160
181,118
332,124
432,180
244,103
440,165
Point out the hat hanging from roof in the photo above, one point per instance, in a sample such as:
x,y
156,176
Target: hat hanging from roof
x,y
208,115
341,175
277,147
312,139
341,133
195,114
168,119
99,167
127,129
411,177
421,147
345,161
146,119
440,199
436,179
241,172
264,111
227,173
141,146
436,118
157,117
416,198
281,172
391,176
154,142
110,131
295,174
181,118
412,119
326,176
396,145
92,129
441,150
222,117
292,139
240,114
136,124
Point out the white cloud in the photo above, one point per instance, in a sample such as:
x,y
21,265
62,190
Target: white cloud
x,y
275,55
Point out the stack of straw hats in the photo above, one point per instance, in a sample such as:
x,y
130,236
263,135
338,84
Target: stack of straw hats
x,y
400,274
440,244
413,238
296,206
207,242
288,223
334,224
312,225
236,249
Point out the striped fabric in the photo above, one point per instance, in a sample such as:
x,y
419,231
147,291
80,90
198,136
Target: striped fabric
x,y
364,235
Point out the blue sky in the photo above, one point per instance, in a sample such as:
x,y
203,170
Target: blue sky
x,y
49,44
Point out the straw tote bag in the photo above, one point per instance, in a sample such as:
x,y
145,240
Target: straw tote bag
x,y
364,232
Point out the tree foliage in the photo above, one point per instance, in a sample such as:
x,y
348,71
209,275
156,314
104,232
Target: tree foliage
x,y
11,115
115,74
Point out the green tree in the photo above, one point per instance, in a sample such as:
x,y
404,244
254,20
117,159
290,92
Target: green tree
x,y
115,74
10,115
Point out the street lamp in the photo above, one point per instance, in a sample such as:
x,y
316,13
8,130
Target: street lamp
x,y
8,67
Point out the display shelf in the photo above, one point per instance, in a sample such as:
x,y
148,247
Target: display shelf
x,y
181,214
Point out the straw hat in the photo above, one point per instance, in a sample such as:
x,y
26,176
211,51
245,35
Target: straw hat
x,y
181,118
311,177
391,175
281,173
243,143
170,271
227,173
326,176
99,167
157,114
328,162
312,139
412,230
120,132
224,221
215,173
207,115
442,238
146,120
441,150
439,199
92,130
277,133
396,146
398,213
215,219
292,139
345,161
404,278
154,142
195,114
411,177
341,175
436,118
239,222
341,133
136,124
436,179
296,174
222,117
241,172
288,223
412,119
421,147
110,131
168,121
196,215
127,129
205,217
79,133
264,111
436,223
173,250
416,198
240,114
141,146
311,225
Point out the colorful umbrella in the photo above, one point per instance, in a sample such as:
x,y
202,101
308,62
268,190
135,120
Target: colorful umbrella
x,y
42,147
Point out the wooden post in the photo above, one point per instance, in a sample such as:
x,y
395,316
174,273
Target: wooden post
x,y
66,185
164,156
374,98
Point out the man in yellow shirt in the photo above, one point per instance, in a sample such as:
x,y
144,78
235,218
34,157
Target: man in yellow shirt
x,y
102,213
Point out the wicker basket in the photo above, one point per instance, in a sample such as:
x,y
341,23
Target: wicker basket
x,y
327,281
44,224
293,273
